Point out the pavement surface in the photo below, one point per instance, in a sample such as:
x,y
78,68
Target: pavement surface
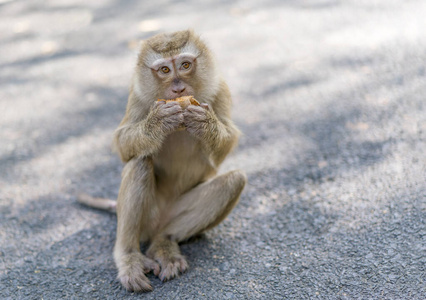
x,y
330,97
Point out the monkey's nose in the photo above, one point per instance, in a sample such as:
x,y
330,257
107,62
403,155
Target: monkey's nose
x,y
178,90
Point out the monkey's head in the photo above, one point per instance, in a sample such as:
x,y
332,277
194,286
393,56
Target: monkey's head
x,y
174,65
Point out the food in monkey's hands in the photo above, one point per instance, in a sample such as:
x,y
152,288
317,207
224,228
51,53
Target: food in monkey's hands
x,y
184,101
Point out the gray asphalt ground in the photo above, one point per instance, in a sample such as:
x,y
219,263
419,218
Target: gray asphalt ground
x,y
330,97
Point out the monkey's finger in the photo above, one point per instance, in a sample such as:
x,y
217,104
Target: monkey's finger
x,y
205,106
199,109
172,108
173,104
194,113
165,112
158,103
190,116
175,118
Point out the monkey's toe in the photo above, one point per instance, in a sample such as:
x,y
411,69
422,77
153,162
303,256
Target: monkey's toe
x,y
171,269
151,265
135,283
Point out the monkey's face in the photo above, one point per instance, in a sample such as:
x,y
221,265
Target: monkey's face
x,y
175,65
175,75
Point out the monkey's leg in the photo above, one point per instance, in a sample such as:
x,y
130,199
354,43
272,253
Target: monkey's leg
x,y
135,199
205,206
200,209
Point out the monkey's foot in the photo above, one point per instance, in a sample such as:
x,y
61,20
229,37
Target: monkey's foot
x,y
131,272
167,254
171,266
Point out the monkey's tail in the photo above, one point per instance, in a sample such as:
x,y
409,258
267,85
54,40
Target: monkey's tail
x,y
100,203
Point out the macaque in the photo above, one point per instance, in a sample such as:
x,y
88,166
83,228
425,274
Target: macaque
x,y
169,190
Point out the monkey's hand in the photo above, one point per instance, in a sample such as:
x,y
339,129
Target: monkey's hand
x,y
199,120
146,137
217,136
166,117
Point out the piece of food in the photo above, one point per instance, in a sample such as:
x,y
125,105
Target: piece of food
x,y
184,101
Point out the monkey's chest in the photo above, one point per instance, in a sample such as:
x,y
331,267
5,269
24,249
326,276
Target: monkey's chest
x,y
181,163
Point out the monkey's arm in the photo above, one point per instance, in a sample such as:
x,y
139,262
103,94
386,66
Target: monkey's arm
x,y
135,138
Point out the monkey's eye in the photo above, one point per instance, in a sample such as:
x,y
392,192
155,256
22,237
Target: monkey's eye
x,y
186,65
165,70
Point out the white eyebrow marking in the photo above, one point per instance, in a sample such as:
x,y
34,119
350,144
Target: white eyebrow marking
x,y
160,62
189,56
166,61
154,60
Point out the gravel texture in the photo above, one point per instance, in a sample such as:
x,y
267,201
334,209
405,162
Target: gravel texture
x,y
330,96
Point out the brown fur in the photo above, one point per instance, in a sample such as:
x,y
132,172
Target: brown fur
x,y
169,190
164,43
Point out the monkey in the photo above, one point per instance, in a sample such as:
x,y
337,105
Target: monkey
x,y
170,190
